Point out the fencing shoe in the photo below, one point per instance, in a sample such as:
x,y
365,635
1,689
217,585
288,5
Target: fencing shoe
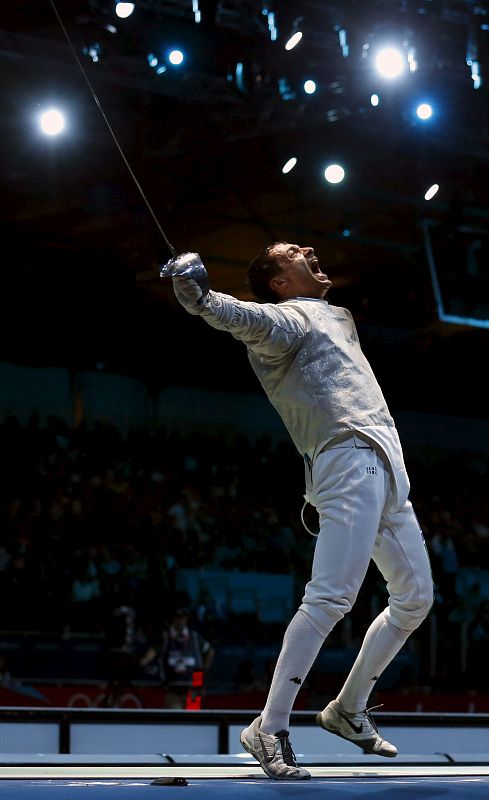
x,y
358,728
274,753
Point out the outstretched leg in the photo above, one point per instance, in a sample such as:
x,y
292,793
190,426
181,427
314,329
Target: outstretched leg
x,y
350,486
401,556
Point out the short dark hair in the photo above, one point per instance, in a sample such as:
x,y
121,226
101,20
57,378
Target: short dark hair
x,y
260,271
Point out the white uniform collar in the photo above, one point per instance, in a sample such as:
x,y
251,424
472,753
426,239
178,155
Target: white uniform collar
x,y
312,299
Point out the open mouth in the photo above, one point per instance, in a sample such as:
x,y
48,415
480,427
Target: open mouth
x,y
316,269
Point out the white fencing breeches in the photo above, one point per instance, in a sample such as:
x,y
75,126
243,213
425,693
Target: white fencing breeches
x,y
350,488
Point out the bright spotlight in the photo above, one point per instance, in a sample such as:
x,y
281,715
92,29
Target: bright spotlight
x,y
334,173
390,63
424,111
374,100
175,57
295,39
124,10
52,122
309,87
431,191
289,165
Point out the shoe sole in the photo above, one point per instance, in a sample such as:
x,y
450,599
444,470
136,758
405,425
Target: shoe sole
x,y
250,750
366,749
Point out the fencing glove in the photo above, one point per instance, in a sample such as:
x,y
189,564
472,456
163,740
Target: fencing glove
x,y
190,280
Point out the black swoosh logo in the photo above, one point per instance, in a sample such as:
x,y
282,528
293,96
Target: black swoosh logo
x,y
356,728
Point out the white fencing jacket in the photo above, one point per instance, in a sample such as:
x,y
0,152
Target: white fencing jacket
x,y
307,356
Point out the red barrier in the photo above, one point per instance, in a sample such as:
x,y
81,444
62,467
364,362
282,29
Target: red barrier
x,y
99,696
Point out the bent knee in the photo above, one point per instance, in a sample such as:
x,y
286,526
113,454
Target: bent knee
x,y
425,601
325,612
409,615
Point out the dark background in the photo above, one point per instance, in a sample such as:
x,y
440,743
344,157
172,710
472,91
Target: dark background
x,y
80,284
91,507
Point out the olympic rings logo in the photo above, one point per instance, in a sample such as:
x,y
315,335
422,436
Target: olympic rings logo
x,y
82,700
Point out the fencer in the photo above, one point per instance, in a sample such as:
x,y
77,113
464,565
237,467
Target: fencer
x,y
307,357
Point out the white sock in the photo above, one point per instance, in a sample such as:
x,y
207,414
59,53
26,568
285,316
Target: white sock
x,y
381,643
302,643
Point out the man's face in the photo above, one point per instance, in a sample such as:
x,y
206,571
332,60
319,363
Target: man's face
x,y
301,274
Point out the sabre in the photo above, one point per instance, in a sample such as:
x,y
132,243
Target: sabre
x,y
186,265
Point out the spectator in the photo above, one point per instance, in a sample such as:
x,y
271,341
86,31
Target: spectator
x,y
181,653
59,511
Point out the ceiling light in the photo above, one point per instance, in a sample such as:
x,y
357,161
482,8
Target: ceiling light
x,y
475,73
411,57
124,10
345,50
93,51
390,62
424,111
334,173
289,165
52,122
431,191
295,39
176,57
196,11
286,92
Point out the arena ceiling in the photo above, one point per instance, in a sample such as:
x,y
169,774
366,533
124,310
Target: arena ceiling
x,y
206,144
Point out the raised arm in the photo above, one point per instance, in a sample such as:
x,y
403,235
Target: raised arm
x,y
269,330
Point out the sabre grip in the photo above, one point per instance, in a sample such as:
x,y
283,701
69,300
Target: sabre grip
x,y
188,265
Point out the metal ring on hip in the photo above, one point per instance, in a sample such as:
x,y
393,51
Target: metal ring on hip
x,y
307,503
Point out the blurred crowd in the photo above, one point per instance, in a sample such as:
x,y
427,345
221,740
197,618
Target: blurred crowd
x,y
93,520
